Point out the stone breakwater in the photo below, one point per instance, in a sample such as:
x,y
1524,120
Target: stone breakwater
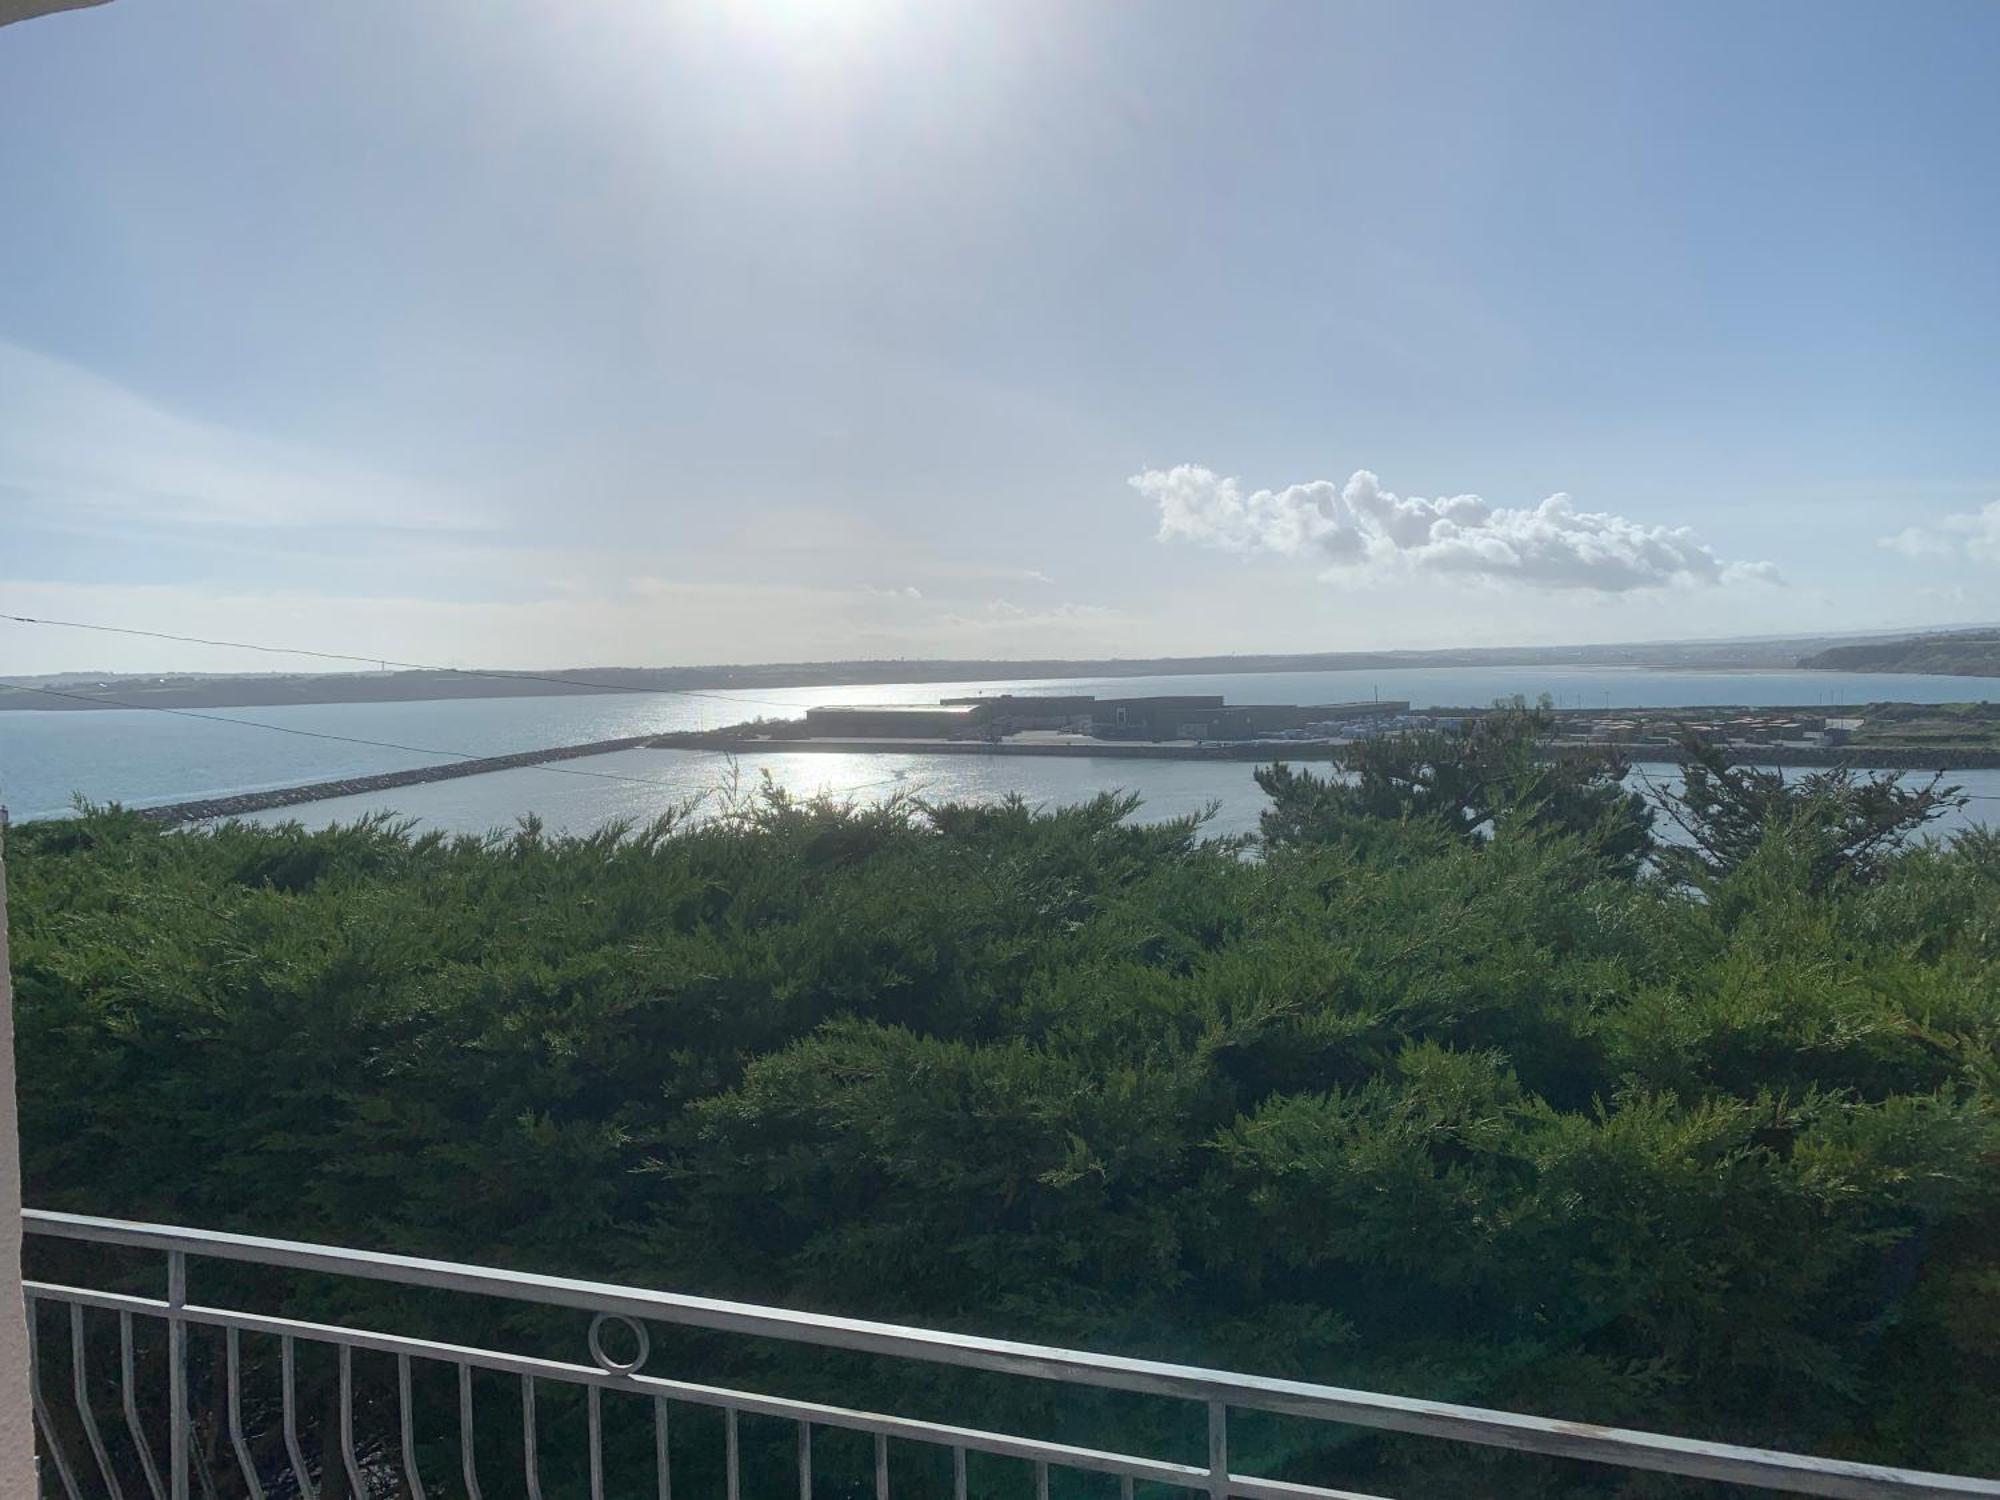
x,y
200,810
354,786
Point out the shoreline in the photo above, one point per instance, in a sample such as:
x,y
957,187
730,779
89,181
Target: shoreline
x,y
203,809
1258,750
1864,758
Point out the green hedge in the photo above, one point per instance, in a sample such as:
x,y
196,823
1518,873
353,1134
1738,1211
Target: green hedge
x,y
1474,1121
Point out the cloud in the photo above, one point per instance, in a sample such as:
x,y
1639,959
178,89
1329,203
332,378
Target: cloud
x,y
1360,527
1973,532
74,442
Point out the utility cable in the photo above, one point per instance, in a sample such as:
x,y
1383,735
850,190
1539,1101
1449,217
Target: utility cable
x,y
407,666
350,739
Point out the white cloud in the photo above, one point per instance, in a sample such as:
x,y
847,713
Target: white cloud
x,y
1974,532
73,442
1362,527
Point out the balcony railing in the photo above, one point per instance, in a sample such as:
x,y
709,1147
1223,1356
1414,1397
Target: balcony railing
x,y
220,1452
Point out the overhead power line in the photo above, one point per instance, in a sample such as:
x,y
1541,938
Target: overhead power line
x,y
321,734
350,739
345,656
407,666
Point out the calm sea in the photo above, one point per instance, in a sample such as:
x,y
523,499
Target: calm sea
x,y
144,758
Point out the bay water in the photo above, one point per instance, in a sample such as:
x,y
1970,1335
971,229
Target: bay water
x,y
144,758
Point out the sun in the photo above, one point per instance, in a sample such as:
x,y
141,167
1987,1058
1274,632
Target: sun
x,y
800,21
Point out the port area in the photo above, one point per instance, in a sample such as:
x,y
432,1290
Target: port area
x,y
1873,757
1027,742
1878,736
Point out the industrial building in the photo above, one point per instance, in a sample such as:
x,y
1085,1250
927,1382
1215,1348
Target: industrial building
x,y
895,721
1186,716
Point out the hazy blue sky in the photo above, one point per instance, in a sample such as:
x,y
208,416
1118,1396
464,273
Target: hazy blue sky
x,y
645,332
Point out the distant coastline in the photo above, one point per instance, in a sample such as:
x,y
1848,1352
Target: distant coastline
x,y
1958,653
85,692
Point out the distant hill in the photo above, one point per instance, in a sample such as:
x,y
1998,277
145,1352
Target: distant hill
x,y
189,690
1973,653
201,691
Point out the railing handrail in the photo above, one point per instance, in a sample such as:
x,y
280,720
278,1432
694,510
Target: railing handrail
x,y
1761,1467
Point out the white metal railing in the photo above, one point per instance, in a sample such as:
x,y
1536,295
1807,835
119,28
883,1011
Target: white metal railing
x,y
391,1467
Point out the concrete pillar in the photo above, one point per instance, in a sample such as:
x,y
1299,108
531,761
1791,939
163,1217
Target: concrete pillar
x,y
17,1429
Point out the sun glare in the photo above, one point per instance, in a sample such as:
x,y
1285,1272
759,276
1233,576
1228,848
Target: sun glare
x,y
807,22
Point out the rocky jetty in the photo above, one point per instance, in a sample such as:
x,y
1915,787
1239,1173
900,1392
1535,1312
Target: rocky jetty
x,y
354,786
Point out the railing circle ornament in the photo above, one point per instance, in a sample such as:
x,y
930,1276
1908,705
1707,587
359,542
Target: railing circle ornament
x,y
642,1345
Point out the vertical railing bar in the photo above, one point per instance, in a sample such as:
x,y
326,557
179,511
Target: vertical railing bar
x,y
233,1358
202,1467
1124,1487
177,1392
805,1461
531,1461
661,1467
465,1462
80,1382
958,1474
881,1466
733,1479
1218,1450
1041,1479
40,1407
411,1479
594,1399
288,1379
130,1402
347,1459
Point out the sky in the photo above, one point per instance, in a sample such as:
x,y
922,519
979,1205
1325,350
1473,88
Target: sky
x,y
643,332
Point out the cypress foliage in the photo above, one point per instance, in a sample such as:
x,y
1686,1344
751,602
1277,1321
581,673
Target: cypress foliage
x,y
1502,1119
